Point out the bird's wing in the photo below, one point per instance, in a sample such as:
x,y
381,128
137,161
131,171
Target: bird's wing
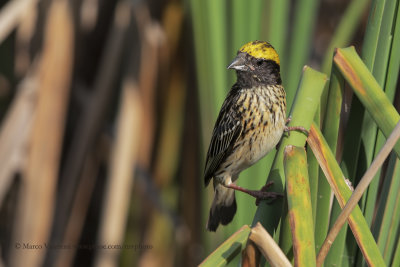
x,y
226,131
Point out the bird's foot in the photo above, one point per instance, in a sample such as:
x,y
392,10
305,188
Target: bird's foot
x,y
295,128
262,194
266,195
287,129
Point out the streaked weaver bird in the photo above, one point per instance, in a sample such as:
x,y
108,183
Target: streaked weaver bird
x,y
251,122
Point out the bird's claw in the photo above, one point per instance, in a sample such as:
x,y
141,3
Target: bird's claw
x,y
287,129
266,195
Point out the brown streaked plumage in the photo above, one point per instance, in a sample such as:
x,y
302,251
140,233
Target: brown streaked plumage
x,y
249,125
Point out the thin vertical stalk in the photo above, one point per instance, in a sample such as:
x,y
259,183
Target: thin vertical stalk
x,y
384,42
336,252
303,26
343,34
239,24
216,36
313,167
369,131
396,257
394,59
199,23
371,37
255,11
278,30
330,130
216,50
313,170
345,30
388,216
352,138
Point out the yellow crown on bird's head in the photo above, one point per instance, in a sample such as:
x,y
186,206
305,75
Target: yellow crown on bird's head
x,y
261,49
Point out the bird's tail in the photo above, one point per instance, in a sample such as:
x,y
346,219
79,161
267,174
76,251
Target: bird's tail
x,y
223,207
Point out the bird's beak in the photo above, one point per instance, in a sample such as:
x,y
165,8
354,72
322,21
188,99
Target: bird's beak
x,y
239,63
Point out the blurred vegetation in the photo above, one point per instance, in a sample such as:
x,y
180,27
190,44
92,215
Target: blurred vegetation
x,y
107,108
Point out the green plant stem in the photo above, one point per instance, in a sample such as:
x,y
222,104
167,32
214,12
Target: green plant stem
x,y
361,187
299,204
227,251
388,215
367,90
369,129
342,192
345,30
330,130
303,110
396,257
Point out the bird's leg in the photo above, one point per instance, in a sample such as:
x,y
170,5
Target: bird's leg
x,y
262,194
294,128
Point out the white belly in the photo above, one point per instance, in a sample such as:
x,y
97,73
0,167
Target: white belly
x,y
263,146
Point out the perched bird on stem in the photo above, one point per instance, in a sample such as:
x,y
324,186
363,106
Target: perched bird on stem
x,y
250,124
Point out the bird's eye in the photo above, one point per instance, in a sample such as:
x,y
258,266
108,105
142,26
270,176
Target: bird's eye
x,y
260,62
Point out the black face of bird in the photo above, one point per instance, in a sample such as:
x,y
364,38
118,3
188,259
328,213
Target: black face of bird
x,y
253,71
